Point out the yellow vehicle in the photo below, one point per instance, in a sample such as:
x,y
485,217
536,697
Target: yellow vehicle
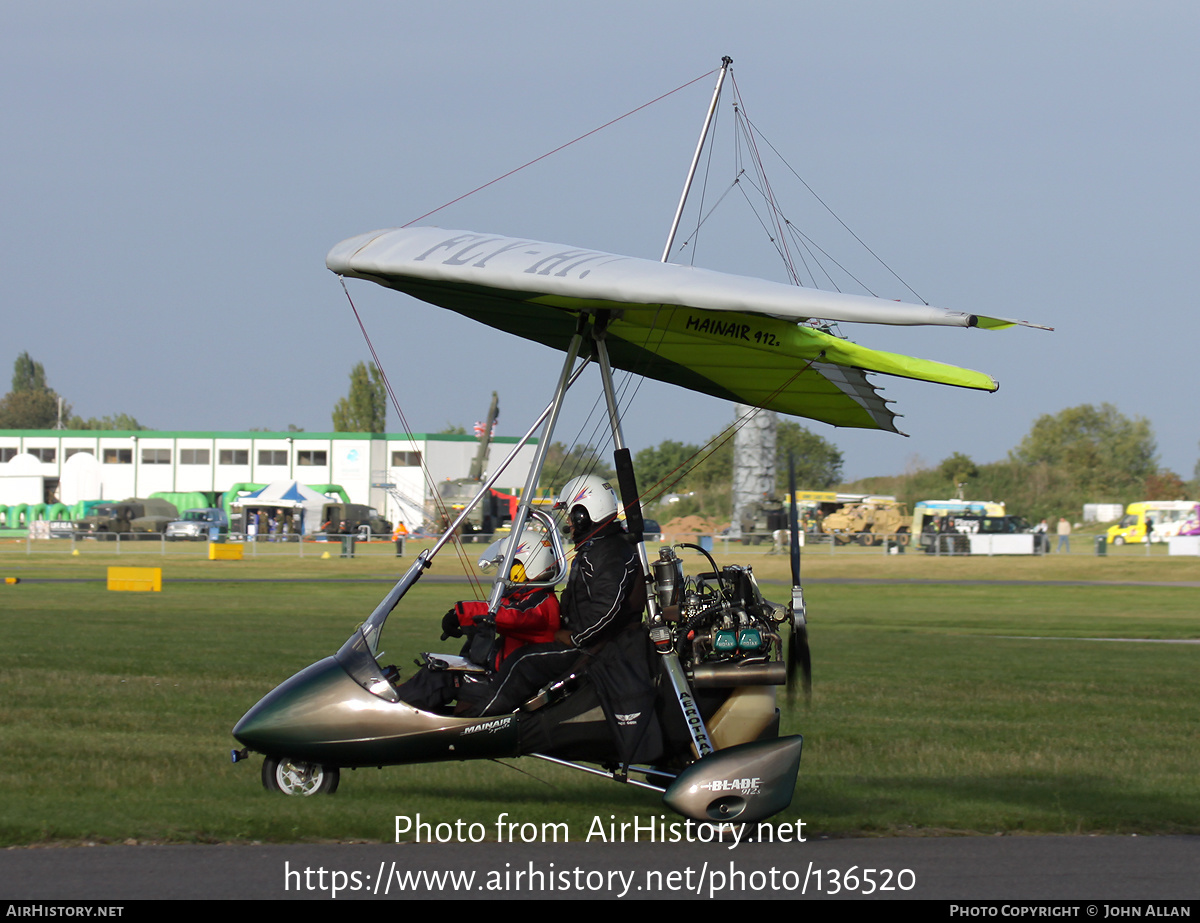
x,y
1165,516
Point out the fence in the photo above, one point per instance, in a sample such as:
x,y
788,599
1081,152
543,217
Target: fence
x,y
872,544
262,545
759,543
935,545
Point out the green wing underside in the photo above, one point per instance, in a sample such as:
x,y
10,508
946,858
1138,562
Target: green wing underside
x,y
749,358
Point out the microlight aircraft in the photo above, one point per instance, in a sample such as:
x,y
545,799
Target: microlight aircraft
x,y
712,746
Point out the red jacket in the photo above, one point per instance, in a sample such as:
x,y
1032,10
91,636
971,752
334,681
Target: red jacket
x,y
525,617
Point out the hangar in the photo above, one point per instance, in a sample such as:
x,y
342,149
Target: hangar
x,y
377,469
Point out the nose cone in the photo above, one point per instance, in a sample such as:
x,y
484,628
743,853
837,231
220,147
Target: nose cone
x,y
323,715
296,716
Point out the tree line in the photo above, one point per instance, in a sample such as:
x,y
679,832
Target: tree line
x,y
1084,454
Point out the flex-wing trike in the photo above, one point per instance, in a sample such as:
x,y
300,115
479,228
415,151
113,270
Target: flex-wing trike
x,y
711,647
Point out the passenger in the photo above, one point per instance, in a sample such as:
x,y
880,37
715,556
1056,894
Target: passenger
x,y
604,595
526,616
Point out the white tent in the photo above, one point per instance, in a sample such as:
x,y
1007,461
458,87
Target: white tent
x,y
304,503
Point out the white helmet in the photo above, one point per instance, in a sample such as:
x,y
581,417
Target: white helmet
x,y
593,493
534,554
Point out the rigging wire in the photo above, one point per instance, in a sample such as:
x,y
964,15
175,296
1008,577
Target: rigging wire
x,y
783,255
756,156
811,244
524,772
561,147
702,219
573,465
714,444
756,132
429,480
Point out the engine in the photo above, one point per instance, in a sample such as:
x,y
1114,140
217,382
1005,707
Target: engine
x,y
725,632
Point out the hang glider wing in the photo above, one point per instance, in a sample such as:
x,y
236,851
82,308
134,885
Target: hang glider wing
x,y
730,336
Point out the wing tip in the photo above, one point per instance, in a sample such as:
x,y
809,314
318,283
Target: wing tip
x,y
985,322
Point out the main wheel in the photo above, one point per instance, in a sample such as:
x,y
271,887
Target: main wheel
x,y
293,777
1119,540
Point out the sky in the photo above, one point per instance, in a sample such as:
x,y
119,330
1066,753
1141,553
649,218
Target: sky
x,y
174,174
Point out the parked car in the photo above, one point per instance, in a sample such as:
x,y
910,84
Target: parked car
x,y
197,525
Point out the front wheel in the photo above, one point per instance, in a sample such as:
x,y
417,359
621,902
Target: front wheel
x,y
293,777
1119,540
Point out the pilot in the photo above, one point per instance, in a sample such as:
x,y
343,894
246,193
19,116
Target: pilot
x,y
604,595
527,615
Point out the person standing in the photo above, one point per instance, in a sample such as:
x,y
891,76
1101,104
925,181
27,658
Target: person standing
x,y
1041,538
1064,535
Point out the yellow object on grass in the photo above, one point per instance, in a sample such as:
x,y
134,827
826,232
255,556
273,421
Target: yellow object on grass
x,y
218,551
135,579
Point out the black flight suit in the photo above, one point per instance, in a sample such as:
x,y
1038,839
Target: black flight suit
x,y
601,599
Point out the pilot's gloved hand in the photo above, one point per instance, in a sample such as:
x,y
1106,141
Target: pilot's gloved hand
x,y
450,626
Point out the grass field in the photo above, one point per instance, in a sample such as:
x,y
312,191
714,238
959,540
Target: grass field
x,y
976,706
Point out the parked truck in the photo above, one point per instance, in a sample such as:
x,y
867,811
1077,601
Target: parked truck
x,y
761,518
356,517
454,494
131,516
870,522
